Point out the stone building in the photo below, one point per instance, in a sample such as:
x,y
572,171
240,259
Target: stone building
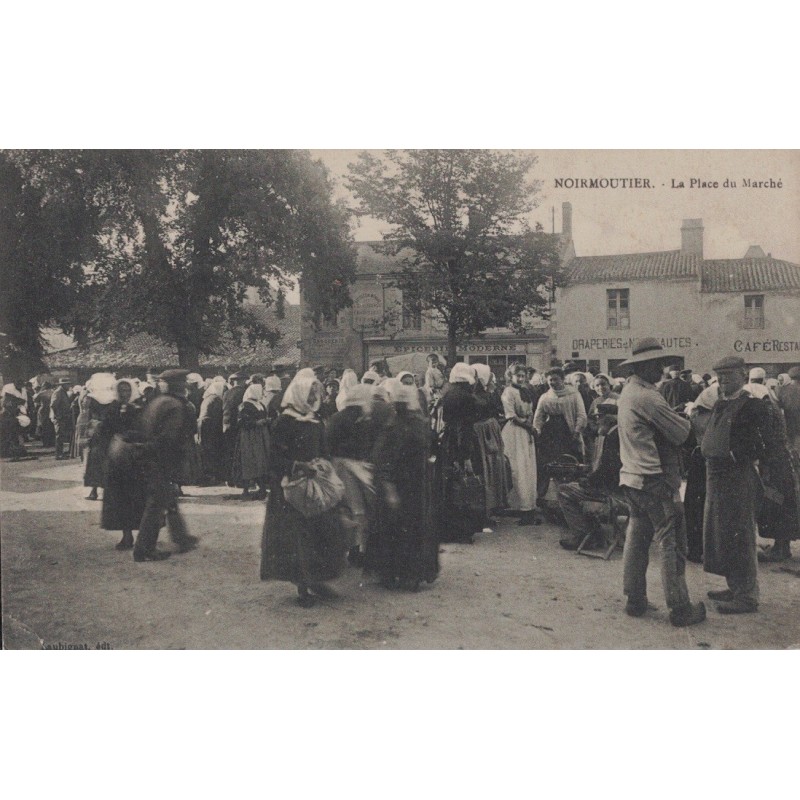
x,y
700,309
379,325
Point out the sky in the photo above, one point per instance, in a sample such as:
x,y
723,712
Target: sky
x,y
609,221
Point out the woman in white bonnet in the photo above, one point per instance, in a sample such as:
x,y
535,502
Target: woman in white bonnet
x,y
102,392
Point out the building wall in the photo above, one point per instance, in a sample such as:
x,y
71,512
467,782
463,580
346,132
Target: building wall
x,y
698,328
775,347
372,328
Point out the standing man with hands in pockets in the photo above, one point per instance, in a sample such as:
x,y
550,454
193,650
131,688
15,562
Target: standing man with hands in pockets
x,y
650,435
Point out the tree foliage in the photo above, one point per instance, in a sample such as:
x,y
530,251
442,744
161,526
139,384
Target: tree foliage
x,y
183,234
458,224
47,231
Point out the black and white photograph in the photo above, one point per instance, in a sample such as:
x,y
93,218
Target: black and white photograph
x,y
400,399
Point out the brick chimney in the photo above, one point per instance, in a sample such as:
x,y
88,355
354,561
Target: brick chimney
x,y
566,220
692,237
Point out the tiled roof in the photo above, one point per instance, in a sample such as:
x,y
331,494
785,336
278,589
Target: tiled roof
x,y
750,275
718,275
143,351
664,265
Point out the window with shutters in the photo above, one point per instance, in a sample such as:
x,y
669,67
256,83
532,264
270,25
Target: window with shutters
x,y
754,311
618,308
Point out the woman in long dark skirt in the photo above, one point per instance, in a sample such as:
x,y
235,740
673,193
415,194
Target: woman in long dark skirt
x,y
403,550
75,412
190,472
123,496
102,392
44,425
306,551
351,435
559,421
212,444
489,440
251,458
457,445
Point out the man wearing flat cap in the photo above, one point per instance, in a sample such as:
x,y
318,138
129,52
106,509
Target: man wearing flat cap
x,y
733,442
164,422
650,435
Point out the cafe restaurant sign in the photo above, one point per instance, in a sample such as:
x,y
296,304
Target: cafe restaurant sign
x,y
766,346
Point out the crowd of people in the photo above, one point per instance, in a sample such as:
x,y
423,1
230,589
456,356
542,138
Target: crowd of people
x,y
376,471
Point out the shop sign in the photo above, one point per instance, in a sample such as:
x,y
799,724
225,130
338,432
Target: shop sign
x,y
461,349
766,346
622,343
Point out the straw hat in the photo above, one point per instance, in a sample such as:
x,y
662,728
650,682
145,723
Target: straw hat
x,y
647,349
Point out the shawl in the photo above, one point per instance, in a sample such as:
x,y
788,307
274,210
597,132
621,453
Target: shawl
x,y
566,402
371,376
758,390
295,399
405,395
462,373
400,375
358,395
215,389
102,387
254,394
484,374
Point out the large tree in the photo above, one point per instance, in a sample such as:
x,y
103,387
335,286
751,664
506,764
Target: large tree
x,y
193,230
47,232
184,234
459,227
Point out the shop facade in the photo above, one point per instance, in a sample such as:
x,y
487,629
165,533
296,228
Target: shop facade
x,y
700,309
379,326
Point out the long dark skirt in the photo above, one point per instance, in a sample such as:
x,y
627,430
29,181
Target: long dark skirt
x,y
191,469
124,495
455,522
492,463
403,544
97,461
251,457
779,508
729,524
300,550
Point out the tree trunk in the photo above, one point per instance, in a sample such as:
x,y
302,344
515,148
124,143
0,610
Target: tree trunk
x,y
452,342
188,356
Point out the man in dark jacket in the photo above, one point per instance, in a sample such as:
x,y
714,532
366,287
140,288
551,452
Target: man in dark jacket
x,y
734,441
679,390
163,424
577,497
61,413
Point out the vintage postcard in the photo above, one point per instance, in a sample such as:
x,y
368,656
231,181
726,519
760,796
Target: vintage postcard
x,y
401,400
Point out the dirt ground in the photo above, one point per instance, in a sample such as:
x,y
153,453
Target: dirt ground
x,y
64,585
